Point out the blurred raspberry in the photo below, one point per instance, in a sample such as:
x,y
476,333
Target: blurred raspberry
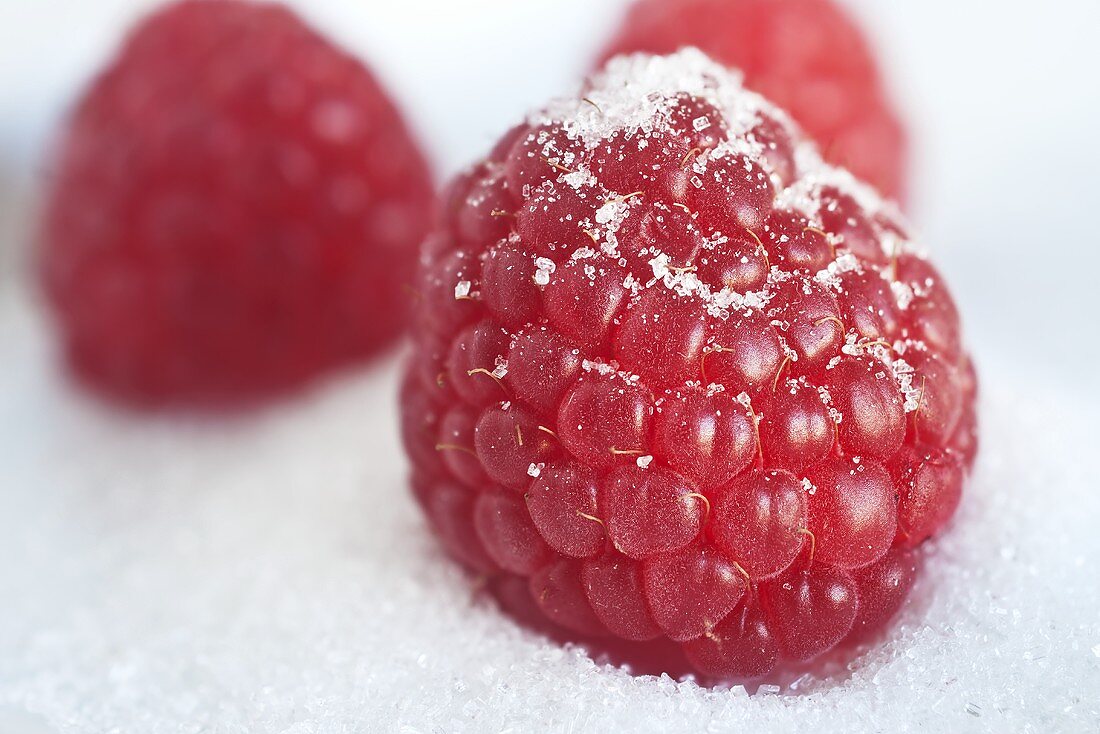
x,y
691,385
235,207
807,56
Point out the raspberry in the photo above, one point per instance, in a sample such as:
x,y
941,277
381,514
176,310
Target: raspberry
x,y
808,56
235,208
729,460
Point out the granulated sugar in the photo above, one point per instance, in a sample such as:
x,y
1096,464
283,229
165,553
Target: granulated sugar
x,y
269,573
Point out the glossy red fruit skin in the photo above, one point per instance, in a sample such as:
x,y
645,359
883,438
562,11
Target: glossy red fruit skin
x,y
800,431
873,422
455,444
852,512
226,220
930,484
508,440
808,56
558,590
882,588
582,305
542,364
744,350
811,610
563,505
450,510
473,363
614,586
506,532
661,341
650,511
718,458
741,647
690,590
759,519
605,421
708,438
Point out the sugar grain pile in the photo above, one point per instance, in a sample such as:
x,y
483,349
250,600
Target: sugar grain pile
x,y
271,575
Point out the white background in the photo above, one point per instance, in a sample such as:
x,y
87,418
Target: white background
x,y
1002,100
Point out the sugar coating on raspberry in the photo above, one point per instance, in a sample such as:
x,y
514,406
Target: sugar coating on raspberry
x,y
234,206
687,384
808,56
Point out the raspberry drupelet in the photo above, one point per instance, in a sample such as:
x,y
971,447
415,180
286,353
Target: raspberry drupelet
x,y
235,206
808,56
678,386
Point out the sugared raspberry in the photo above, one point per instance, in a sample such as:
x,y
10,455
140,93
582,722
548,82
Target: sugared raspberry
x,y
235,206
689,386
807,56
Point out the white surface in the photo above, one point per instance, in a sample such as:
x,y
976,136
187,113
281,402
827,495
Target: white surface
x,y
270,574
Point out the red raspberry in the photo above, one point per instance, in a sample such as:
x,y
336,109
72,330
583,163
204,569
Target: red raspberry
x,y
808,56
235,207
709,408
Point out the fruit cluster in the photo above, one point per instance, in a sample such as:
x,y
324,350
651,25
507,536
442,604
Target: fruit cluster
x,y
681,378
807,56
236,207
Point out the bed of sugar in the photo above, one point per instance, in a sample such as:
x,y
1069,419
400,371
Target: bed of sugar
x,y
269,573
